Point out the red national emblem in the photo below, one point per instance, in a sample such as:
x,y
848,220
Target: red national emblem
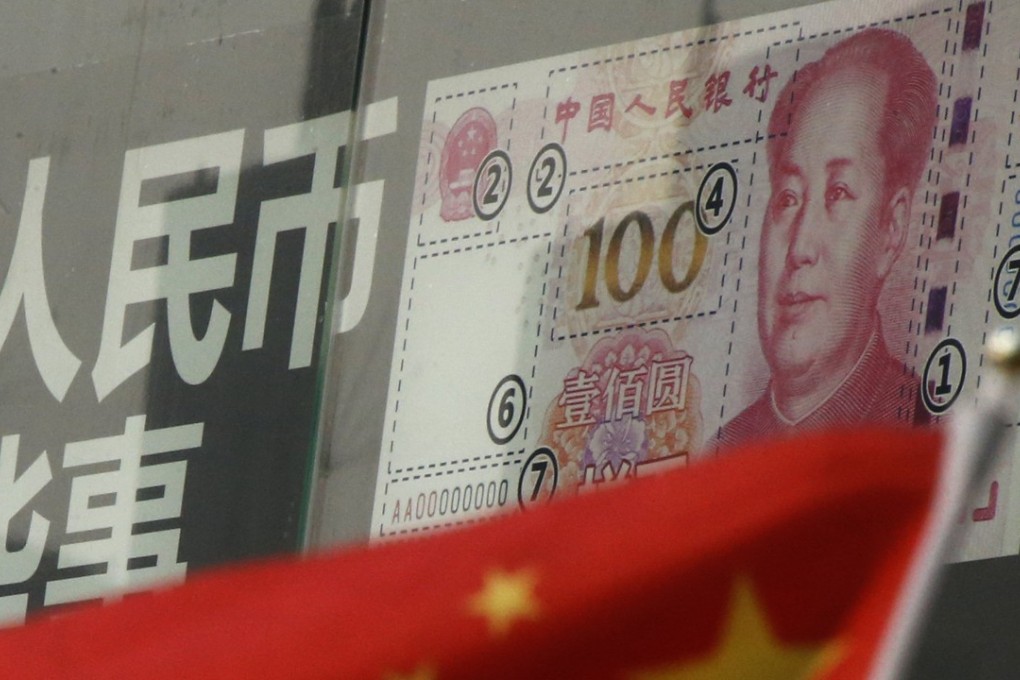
x,y
716,96
472,137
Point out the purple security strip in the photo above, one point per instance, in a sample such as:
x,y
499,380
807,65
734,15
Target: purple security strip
x,y
935,318
973,26
948,208
961,121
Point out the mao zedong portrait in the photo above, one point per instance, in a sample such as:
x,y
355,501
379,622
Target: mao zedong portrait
x,y
849,139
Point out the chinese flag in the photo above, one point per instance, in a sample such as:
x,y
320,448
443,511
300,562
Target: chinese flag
x,y
785,560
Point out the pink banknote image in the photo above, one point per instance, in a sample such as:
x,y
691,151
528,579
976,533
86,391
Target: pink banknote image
x,y
849,139
471,138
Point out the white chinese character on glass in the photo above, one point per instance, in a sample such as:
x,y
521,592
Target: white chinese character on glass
x,y
19,564
113,503
25,287
176,281
310,213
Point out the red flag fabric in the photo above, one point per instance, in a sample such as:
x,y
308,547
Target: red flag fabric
x,y
783,560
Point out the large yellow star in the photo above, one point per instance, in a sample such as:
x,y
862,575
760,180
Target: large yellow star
x,y
506,598
748,650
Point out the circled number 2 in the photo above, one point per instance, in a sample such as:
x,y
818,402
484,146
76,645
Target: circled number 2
x,y
492,184
547,177
539,478
506,409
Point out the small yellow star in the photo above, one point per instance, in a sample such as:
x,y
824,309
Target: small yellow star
x,y
505,598
748,649
420,673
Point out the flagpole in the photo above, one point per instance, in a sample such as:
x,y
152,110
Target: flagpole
x,y
974,436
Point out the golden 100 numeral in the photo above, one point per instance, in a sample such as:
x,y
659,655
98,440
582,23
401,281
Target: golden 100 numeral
x,y
646,232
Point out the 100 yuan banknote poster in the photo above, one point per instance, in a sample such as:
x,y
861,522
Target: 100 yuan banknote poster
x,y
629,258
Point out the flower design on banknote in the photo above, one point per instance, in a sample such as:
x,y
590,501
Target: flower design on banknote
x,y
472,137
634,402
616,444
668,430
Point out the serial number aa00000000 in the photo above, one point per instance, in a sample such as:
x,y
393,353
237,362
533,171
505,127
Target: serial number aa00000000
x,y
451,501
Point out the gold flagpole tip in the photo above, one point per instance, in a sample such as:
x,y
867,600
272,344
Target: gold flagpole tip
x,y
1004,351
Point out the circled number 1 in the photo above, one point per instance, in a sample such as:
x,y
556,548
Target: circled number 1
x,y
944,375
